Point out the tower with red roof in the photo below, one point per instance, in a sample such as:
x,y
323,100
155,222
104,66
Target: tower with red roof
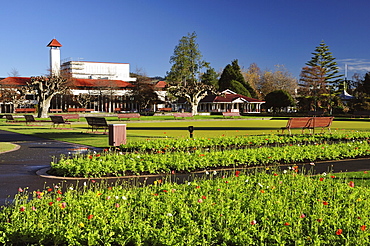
x,y
54,57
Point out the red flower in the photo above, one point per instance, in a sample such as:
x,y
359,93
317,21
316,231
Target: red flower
x,y
117,205
97,155
262,191
339,232
302,216
51,203
237,173
286,224
93,181
59,192
319,220
322,179
59,199
50,189
90,156
275,174
253,222
363,227
20,190
22,209
164,190
325,203
204,197
90,217
333,177
351,184
200,200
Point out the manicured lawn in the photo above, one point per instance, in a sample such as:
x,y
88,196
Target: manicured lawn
x,y
167,127
6,147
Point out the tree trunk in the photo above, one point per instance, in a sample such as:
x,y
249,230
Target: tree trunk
x,y
44,107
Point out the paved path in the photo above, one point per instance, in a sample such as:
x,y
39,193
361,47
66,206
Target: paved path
x,y
18,168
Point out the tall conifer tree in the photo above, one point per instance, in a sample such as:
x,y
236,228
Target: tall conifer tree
x,y
323,58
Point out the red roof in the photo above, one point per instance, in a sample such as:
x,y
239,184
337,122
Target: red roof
x,y
14,81
54,43
161,84
19,81
101,83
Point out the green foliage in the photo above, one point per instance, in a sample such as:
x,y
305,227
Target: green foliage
x,y
278,99
165,161
323,58
262,207
210,77
186,61
232,73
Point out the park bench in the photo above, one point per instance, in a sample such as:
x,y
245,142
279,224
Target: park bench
x,y
297,123
10,118
25,110
97,122
182,115
320,122
68,117
361,114
58,120
165,109
31,119
128,116
231,114
55,110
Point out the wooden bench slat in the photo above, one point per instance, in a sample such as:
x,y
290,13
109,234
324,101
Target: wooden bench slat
x,y
231,114
97,122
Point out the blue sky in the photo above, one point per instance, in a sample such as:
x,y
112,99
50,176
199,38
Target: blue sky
x,y
144,33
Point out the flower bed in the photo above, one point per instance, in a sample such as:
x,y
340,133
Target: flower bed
x,y
181,144
119,164
265,208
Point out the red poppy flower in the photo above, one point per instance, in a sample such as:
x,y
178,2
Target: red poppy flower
x,y
164,190
59,192
322,179
237,173
275,174
363,227
90,156
197,187
286,223
117,205
98,155
302,216
339,232
51,203
50,189
59,199
262,191
333,177
204,197
253,222
325,203
90,217
351,184
22,209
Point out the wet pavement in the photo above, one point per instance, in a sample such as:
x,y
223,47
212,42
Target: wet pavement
x,y
18,169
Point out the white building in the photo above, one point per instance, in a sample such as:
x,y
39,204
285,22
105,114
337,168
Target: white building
x,y
97,70
86,69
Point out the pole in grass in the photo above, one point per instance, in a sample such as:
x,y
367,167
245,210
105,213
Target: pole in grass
x,y
191,130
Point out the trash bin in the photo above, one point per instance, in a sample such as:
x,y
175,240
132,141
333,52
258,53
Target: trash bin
x,y
117,134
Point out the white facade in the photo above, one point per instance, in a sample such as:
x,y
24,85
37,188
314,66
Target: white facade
x,y
55,60
98,70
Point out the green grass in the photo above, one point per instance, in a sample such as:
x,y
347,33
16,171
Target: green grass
x,y
165,126
6,147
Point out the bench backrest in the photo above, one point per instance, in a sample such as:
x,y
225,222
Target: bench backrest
x,y
321,122
302,122
69,116
21,110
183,115
57,119
96,121
9,117
29,118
